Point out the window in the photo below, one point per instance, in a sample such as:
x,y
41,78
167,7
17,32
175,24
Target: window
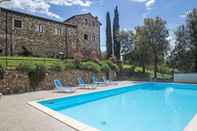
x,y
37,28
56,31
86,37
18,23
93,37
40,28
86,21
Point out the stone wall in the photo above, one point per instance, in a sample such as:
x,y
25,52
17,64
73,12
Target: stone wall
x,y
88,25
53,39
18,82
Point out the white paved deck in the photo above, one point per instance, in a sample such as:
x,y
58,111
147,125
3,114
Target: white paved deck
x,y
17,115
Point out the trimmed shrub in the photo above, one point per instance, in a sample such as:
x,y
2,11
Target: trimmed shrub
x,y
90,65
36,75
2,72
112,65
25,67
56,67
129,68
70,64
164,69
105,66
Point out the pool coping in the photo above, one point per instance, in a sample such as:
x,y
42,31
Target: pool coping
x,y
69,121
191,126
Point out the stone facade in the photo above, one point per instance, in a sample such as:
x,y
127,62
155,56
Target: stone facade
x,y
88,35
45,37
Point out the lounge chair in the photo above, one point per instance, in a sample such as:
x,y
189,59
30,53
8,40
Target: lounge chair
x,y
109,82
84,85
60,88
95,81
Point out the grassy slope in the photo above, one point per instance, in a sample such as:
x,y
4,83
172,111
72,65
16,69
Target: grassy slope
x,y
14,61
151,72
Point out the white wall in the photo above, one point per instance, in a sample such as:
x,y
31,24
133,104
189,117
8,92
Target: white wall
x,y
185,77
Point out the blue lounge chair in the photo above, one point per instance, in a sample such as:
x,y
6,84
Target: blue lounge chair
x,y
60,88
95,81
109,82
84,85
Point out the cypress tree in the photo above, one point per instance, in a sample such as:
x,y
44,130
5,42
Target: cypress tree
x,y
108,36
116,29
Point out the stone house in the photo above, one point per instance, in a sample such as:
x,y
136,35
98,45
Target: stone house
x,y
20,32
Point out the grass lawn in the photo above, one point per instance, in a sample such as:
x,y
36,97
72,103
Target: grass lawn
x,y
15,60
165,76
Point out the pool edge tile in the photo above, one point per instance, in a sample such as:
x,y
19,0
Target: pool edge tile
x,y
79,126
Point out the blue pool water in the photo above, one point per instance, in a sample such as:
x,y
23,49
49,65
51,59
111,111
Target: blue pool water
x,y
143,107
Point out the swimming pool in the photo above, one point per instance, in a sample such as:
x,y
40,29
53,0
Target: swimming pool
x,y
141,107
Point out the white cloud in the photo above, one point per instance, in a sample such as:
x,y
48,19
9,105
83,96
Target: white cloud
x,y
84,10
85,3
43,6
148,3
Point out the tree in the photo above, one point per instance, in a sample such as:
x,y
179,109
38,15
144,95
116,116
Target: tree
x,y
116,29
125,39
181,57
142,47
108,36
157,34
192,28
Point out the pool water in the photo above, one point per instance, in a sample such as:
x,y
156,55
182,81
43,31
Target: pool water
x,y
142,107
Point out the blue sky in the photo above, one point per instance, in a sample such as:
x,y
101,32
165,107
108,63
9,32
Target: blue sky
x,y
132,12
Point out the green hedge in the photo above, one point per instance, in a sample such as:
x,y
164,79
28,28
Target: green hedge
x,y
70,64
90,65
104,65
56,67
25,66
112,65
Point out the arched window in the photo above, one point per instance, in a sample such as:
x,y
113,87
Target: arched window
x,y
85,36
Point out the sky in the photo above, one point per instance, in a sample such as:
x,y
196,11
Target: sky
x,y
131,12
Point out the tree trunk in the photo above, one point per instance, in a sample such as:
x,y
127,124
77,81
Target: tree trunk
x,y
143,69
155,66
143,66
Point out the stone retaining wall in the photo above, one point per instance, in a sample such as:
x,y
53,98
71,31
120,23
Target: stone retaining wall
x,y
18,82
